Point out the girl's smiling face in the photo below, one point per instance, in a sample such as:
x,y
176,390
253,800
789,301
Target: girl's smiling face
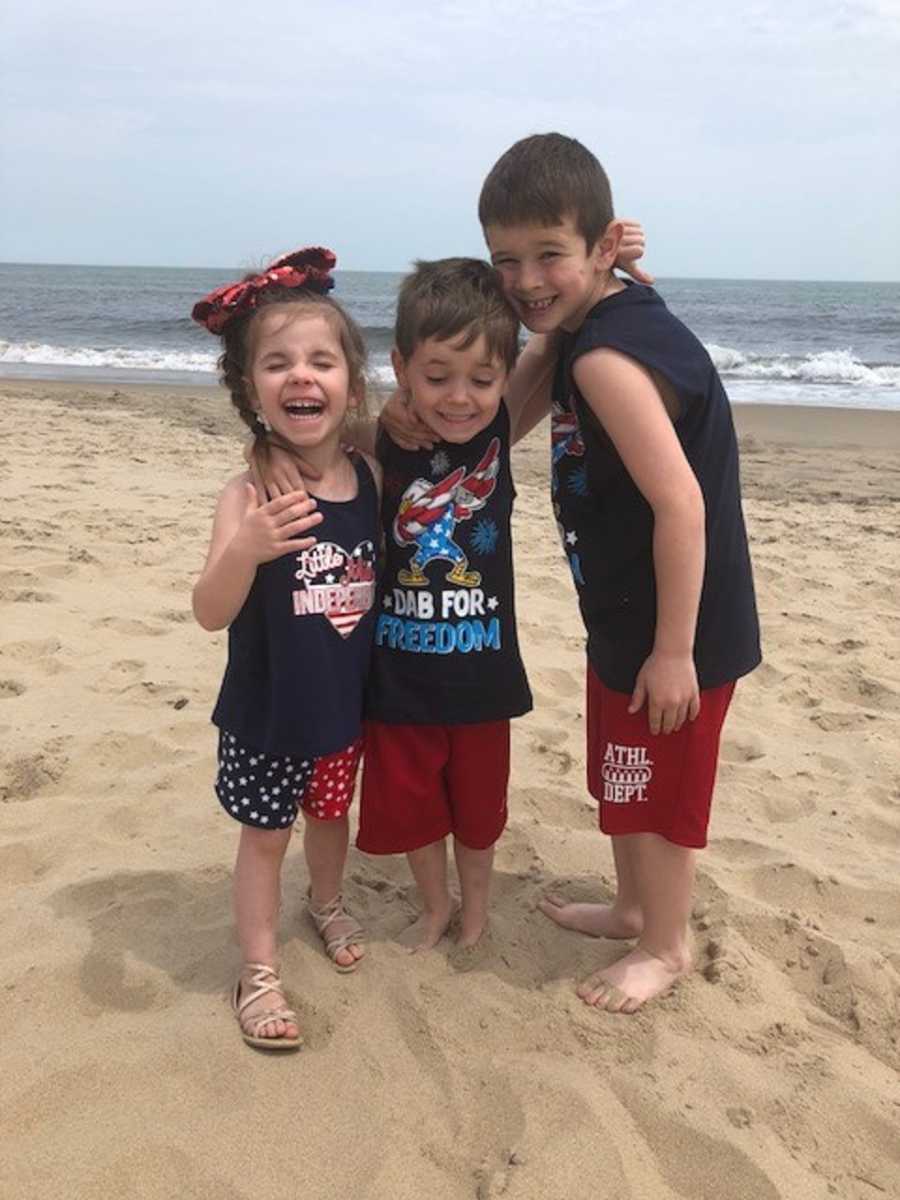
x,y
299,378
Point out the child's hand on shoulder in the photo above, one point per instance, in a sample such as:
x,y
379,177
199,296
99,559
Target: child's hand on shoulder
x,y
267,531
404,426
275,471
631,248
667,683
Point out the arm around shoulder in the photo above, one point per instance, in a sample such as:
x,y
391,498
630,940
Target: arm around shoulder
x,y
529,391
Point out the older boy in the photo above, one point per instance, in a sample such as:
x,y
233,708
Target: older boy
x,y
646,493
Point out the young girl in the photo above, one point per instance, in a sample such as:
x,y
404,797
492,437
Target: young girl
x,y
299,613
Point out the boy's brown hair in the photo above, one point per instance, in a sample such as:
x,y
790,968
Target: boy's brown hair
x,y
453,296
543,179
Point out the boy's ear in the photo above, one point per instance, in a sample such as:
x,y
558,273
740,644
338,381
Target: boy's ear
x,y
607,247
399,367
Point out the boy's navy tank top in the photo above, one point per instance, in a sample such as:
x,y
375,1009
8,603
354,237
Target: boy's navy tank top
x,y
446,647
299,649
606,525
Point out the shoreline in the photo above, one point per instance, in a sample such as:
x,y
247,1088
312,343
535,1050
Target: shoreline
x,y
781,424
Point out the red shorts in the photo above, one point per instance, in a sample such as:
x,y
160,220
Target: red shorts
x,y
653,783
421,782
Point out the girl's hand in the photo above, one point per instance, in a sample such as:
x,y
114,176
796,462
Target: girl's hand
x,y
631,248
403,426
275,472
269,530
668,683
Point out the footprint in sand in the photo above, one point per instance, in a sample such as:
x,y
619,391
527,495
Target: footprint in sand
x,y
25,776
10,688
32,650
743,751
129,626
26,596
18,579
42,653
119,676
177,616
839,722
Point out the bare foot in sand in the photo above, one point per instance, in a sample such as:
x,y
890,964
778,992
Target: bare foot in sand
x,y
632,981
470,932
596,920
427,931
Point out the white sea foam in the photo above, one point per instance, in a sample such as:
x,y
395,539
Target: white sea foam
x,y
118,357
830,366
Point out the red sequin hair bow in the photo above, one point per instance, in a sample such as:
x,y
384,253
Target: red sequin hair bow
x,y
307,268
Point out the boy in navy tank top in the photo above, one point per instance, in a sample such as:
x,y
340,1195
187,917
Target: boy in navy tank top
x,y
299,612
446,673
644,478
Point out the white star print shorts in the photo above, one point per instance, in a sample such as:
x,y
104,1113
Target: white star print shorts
x,y
268,790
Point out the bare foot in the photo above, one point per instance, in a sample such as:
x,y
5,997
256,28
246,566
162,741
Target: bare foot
x,y
470,932
629,983
427,930
596,920
471,955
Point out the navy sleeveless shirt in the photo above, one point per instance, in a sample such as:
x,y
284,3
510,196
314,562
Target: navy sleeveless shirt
x,y
446,649
299,649
605,523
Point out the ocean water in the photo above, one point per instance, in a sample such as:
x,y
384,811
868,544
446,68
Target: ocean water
x,y
773,342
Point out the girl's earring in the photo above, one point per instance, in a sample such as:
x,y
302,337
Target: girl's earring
x,y
261,420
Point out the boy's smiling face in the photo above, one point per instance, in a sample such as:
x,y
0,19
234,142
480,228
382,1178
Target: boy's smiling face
x,y
549,276
455,389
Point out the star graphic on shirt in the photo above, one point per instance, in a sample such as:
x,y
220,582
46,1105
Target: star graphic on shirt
x,y
572,537
387,601
492,603
329,579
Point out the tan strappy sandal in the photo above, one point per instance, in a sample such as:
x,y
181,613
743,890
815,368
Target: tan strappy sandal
x,y
351,932
263,979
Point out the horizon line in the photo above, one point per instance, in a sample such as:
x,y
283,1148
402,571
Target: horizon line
x,y
404,271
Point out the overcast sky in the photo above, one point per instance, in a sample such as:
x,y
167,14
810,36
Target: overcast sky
x,y
756,140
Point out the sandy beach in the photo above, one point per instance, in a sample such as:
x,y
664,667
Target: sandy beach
x,y
772,1072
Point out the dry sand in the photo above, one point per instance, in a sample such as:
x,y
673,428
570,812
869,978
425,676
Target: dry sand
x,y
771,1072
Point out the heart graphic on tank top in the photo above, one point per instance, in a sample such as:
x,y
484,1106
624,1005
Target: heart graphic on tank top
x,y
335,584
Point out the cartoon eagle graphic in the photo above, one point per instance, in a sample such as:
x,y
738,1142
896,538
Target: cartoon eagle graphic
x,y
428,514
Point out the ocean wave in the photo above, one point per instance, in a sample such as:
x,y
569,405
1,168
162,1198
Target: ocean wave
x,y
119,357
829,366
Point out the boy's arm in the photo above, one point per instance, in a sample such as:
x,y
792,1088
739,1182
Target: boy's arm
x,y
627,402
360,433
529,389
245,534
275,471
